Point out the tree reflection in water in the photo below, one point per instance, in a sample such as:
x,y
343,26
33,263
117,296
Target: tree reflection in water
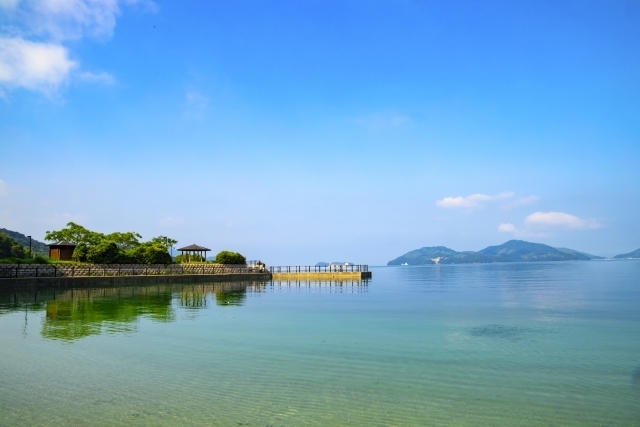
x,y
81,314
236,297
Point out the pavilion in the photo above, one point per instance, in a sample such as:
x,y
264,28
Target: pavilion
x,y
194,250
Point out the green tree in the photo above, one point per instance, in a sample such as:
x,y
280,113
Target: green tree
x,y
106,253
228,257
74,233
167,242
10,248
126,240
80,252
149,253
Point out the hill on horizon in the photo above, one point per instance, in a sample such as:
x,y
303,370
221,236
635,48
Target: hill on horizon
x,y
36,246
634,254
511,251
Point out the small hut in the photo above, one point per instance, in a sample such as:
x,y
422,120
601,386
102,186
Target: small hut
x,y
62,251
194,250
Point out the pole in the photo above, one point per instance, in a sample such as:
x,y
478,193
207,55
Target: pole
x,y
29,246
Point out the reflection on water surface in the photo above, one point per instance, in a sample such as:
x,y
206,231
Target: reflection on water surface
x,y
77,313
477,345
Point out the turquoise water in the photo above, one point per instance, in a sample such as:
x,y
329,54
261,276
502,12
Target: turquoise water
x,y
531,344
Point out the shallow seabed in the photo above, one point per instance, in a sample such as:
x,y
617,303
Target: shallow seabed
x,y
531,344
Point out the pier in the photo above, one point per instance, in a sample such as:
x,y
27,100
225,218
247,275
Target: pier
x,y
37,276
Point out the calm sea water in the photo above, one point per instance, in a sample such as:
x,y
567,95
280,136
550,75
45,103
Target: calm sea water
x,y
531,344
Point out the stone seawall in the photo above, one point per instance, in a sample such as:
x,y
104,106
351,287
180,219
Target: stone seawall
x,y
36,283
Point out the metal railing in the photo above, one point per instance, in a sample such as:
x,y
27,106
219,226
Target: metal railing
x,y
106,270
334,268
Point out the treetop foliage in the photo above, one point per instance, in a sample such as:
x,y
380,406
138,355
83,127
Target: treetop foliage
x,y
113,248
9,248
228,257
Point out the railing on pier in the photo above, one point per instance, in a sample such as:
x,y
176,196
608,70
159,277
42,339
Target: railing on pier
x,y
333,268
104,270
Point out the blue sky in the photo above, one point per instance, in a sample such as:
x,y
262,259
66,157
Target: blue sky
x,y
305,131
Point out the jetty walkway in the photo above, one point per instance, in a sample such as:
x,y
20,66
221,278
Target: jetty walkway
x,y
29,276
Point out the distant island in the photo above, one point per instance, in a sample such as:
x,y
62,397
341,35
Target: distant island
x,y
511,251
634,254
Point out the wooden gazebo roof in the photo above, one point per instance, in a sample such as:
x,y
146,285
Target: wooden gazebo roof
x,y
194,247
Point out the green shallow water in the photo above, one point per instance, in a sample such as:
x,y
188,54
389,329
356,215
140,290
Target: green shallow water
x,y
531,344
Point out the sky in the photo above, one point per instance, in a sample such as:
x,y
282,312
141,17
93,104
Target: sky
x,y
303,131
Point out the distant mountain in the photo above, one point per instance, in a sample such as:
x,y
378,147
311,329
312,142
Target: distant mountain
x,y
36,246
634,254
511,251
438,255
519,250
572,251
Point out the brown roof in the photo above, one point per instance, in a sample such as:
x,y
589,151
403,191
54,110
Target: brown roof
x,y
63,244
194,247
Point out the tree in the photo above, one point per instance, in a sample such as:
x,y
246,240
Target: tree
x,y
167,242
149,253
125,240
10,248
228,257
80,252
74,233
106,253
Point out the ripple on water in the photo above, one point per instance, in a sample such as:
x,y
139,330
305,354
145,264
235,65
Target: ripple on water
x,y
506,332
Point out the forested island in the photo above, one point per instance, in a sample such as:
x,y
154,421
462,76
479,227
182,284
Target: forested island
x,y
511,251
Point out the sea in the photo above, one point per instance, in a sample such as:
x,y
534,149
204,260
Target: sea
x,y
504,344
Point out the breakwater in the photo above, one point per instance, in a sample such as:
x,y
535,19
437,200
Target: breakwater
x,y
314,272
37,276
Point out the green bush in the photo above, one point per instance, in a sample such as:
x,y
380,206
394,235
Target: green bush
x,y
189,258
149,253
228,257
80,252
106,253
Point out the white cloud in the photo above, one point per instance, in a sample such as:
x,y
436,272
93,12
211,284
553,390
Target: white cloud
x,y
472,201
170,221
560,219
4,190
33,65
74,19
32,53
507,228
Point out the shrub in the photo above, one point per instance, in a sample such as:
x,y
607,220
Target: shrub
x,y
228,257
106,253
189,258
149,253
80,252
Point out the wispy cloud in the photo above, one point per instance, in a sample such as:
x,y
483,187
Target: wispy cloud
x,y
33,55
541,223
472,201
101,77
560,219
